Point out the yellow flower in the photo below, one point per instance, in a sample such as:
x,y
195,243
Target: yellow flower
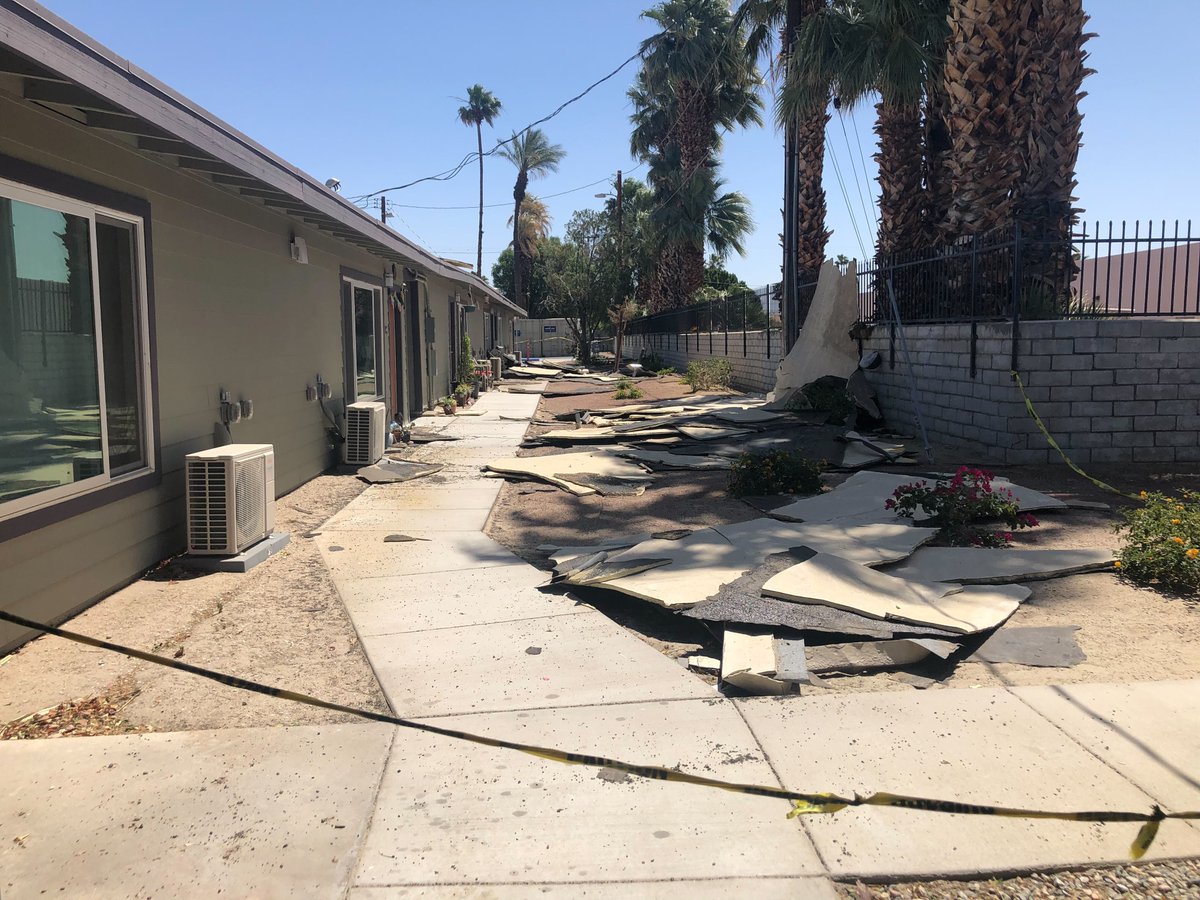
x,y
1142,494
1193,553
1177,540
1117,564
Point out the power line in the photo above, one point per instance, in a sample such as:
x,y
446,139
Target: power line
x,y
474,155
837,171
868,219
374,203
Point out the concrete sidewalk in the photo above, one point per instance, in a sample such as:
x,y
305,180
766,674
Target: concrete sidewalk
x,y
459,633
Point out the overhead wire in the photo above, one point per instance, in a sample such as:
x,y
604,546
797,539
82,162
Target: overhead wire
x,y
870,221
837,171
862,158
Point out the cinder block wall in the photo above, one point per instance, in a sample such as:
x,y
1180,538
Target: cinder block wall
x,y
753,368
1109,390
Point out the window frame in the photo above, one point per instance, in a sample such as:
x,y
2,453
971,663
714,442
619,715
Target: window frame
x,y
29,183
351,280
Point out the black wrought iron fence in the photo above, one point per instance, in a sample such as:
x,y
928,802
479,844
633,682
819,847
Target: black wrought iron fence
x,y
721,325
1098,271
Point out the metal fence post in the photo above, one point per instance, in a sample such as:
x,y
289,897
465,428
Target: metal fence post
x,y
1016,295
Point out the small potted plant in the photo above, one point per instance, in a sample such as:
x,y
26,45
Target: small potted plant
x,y
448,405
462,393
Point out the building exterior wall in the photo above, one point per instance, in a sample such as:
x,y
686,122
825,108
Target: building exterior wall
x,y
753,357
1108,390
233,311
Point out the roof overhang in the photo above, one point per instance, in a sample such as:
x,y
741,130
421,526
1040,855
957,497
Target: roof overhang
x,y
62,68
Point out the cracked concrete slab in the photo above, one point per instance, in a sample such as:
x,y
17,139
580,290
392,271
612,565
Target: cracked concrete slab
x,y
410,603
1150,731
833,581
453,814
242,812
981,746
978,565
581,658
364,554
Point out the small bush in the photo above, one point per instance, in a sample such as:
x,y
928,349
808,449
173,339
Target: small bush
x,y
1162,543
774,472
708,374
627,390
826,396
665,370
448,405
958,505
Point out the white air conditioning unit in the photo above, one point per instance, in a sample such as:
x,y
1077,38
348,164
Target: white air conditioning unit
x,y
366,433
230,498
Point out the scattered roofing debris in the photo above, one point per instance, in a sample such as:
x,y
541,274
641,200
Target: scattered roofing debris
x,y
833,581
975,565
1050,647
390,471
558,469
815,587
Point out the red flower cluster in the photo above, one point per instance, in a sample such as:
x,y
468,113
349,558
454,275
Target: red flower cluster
x,y
959,504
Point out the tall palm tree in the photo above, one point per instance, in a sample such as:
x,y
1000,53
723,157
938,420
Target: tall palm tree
x,y
766,19
481,106
532,228
534,156
886,48
694,84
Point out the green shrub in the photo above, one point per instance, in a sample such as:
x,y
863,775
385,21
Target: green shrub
x,y
826,397
665,370
466,362
1162,542
959,504
708,374
627,390
774,472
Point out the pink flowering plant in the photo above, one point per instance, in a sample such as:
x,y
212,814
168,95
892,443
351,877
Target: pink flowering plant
x,y
963,507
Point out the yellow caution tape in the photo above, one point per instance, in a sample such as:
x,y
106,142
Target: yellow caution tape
x,y
1053,443
802,803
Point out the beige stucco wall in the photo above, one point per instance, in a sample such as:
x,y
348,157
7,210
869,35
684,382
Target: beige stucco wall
x,y
233,311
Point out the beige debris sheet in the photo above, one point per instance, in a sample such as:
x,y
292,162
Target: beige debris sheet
x,y
707,559
557,469
748,662
977,565
833,581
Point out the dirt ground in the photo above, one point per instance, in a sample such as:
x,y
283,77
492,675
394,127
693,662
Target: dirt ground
x,y
1127,633
282,623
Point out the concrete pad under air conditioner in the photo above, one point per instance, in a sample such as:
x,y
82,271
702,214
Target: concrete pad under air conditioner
x,y
242,562
837,582
976,565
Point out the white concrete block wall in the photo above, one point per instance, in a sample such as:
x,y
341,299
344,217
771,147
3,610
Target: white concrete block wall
x,y
1108,390
753,367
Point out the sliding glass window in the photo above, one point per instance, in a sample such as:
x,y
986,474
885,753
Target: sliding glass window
x,y
73,348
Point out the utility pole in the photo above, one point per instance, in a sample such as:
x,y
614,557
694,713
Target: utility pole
x,y
383,213
791,163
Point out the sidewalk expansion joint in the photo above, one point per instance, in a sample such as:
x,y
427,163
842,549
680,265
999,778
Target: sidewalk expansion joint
x,y
417,717
573,612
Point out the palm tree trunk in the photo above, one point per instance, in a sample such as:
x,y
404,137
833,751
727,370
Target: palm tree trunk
x,y
479,248
518,256
811,233
985,59
937,175
900,195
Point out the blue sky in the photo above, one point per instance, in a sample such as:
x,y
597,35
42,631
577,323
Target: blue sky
x,y
366,91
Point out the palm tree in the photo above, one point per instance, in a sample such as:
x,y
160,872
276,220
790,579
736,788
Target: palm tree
x,y
764,20
532,228
694,84
481,107
534,156
888,48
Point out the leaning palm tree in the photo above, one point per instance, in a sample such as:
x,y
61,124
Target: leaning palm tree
x,y
481,107
884,48
695,83
532,228
534,156
766,19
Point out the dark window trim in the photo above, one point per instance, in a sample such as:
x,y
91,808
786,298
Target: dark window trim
x,y
35,176
349,366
